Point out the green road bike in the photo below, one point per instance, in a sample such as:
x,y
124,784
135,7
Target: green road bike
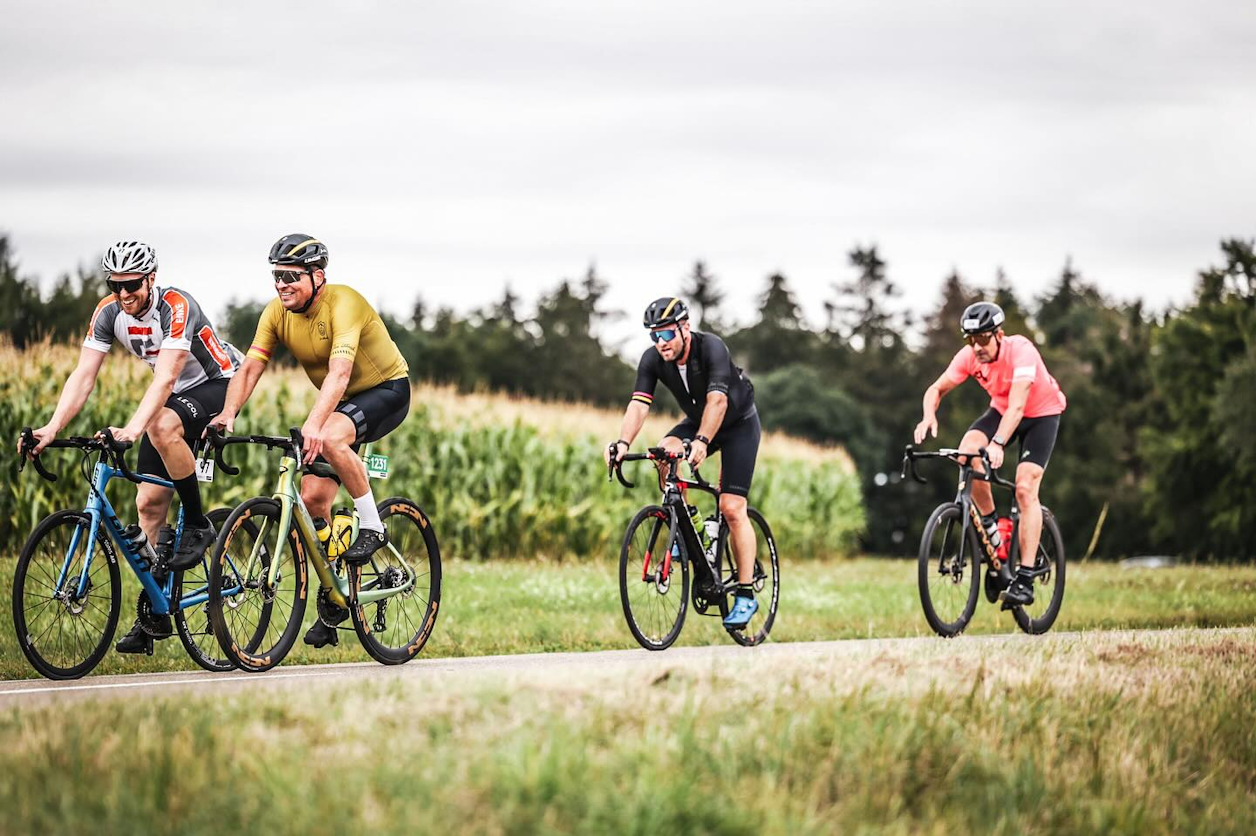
x,y
393,599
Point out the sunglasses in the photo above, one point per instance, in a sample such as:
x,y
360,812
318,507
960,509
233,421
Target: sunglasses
x,y
664,336
982,340
130,285
288,276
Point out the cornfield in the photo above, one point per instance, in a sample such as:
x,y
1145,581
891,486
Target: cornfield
x,y
501,477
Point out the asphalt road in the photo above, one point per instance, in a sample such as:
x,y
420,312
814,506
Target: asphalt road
x,y
559,666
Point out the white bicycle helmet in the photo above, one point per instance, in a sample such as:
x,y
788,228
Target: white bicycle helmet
x,y
129,257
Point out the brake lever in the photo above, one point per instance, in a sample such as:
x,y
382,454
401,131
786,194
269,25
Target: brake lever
x,y
219,443
28,442
117,448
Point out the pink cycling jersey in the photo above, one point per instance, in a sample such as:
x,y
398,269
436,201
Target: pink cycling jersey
x,y
1018,359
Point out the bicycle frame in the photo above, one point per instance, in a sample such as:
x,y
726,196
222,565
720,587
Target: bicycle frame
x,y
101,512
963,497
292,512
680,525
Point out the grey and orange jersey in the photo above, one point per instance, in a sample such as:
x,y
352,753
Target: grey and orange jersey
x,y
174,320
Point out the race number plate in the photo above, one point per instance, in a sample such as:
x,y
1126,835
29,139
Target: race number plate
x,y
377,466
204,470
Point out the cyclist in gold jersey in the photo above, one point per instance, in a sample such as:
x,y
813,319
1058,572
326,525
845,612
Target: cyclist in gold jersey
x,y
362,380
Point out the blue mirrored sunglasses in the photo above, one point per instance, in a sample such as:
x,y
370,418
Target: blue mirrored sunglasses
x,y
664,336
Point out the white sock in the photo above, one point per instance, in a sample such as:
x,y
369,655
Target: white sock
x,y
368,514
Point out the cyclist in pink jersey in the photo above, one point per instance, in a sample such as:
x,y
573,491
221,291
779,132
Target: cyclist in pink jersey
x,y
1025,406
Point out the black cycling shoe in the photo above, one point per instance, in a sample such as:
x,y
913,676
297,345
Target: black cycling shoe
x,y
1020,593
192,546
323,634
367,544
140,638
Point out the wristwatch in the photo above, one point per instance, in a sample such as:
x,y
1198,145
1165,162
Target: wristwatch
x,y
999,441
703,439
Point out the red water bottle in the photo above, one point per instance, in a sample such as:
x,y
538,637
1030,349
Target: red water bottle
x,y
1005,537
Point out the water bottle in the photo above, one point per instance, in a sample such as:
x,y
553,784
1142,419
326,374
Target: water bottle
x,y
711,532
137,541
1005,538
341,532
991,526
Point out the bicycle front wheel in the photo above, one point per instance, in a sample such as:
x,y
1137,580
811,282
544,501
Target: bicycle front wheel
x,y
653,586
1049,564
256,622
65,620
192,621
766,581
948,571
394,629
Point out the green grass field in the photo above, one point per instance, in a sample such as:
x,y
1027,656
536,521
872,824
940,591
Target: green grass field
x,y
529,607
1099,733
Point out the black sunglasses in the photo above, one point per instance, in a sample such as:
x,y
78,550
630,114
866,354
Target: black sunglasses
x,y
288,276
664,336
130,285
979,339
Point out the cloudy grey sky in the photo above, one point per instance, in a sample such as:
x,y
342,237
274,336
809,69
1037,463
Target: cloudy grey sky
x,y
447,149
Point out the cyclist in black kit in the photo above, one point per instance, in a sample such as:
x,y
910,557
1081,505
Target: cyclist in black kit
x,y
720,416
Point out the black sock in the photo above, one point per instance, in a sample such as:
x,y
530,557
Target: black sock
x,y
190,498
745,590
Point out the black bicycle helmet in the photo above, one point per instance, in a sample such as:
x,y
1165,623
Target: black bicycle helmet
x,y
666,310
980,318
300,250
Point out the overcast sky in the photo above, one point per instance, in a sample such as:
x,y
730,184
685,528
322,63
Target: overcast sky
x,y
448,149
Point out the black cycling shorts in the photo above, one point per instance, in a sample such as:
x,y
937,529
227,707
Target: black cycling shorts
x,y
376,412
195,407
1036,435
737,443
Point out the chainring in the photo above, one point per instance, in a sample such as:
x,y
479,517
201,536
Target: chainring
x,y
329,613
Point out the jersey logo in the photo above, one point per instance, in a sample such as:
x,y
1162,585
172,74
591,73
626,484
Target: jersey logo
x,y
322,330
136,329
178,312
210,341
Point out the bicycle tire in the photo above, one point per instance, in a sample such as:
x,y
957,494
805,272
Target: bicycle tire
x,y
942,576
1040,616
653,620
394,630
40,619
766,579
200,642
256,645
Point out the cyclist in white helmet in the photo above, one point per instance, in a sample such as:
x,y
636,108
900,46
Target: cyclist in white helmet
x,y
165,328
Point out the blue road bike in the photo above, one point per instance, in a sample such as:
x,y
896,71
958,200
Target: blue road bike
x,y
67,590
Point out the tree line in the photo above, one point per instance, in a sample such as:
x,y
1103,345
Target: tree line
x,y
1155,453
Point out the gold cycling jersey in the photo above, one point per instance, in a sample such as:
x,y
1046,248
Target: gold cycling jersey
x,y
340,324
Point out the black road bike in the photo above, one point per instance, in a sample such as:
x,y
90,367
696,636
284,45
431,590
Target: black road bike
x,y
662,543
954,546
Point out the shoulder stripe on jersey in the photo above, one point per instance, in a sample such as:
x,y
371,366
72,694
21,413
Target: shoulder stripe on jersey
x,y
178,312
643,397
100,306
258,353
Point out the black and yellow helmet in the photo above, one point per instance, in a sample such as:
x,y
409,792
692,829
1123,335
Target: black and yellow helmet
x,y
666,310
300,249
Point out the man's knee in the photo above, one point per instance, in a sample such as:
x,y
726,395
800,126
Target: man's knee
x,y
1028,480
166,428
733,507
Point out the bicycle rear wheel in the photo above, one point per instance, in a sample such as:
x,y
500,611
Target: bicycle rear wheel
x,y
766,581
192,623
654,603
394,629
948,577
1041,614
64,629
255,623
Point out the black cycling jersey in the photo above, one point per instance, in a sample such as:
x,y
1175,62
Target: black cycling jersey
x,y
708,368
